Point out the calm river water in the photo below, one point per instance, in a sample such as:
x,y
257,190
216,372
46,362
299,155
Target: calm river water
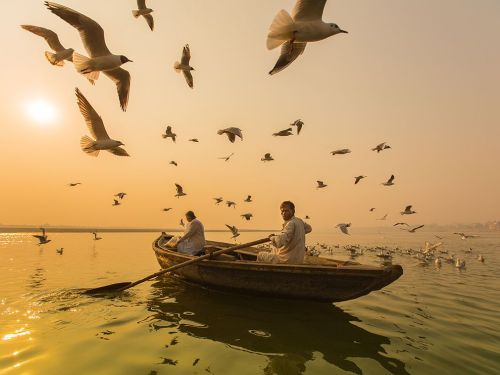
x,y
429,321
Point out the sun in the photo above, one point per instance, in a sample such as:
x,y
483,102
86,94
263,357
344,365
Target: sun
x,y
41,111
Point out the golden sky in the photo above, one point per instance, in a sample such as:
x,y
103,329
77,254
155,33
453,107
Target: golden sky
x,y
422,76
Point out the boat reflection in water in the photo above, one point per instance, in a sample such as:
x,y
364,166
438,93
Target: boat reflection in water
x,y
287,332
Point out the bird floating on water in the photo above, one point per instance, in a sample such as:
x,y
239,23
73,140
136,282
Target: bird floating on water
x,y
184,66
464,236
96,238
231,133
145,12
96,128
101,59
294,31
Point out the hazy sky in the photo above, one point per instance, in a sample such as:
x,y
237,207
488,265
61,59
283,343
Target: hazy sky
x,y
422,75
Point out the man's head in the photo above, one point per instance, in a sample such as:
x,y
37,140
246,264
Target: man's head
x,y
190,216
287,210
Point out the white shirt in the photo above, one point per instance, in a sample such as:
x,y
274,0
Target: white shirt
x,y
291,242
194,238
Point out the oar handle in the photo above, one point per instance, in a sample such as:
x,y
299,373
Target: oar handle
x,y
196,260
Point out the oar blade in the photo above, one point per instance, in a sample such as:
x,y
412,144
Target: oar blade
x,y
111,288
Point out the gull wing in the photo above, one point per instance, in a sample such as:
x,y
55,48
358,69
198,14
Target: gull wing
x,y
150,20
39,237
408,208
141,4
121,78
186,55
299,125
51,37
391,179
289,53
189,77
93,120
118,151
308,10
91,32
178,188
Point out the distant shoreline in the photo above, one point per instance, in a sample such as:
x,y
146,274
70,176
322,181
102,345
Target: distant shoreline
x,y
55,229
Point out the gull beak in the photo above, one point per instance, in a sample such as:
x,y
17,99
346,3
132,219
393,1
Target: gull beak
x,y
343,31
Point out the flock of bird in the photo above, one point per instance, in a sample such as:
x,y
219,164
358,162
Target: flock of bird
x,y
290,31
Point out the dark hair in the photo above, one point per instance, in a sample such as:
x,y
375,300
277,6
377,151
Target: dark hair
x,y
289,204
191,215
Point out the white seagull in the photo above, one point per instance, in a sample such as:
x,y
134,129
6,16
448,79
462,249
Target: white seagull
x,y
52,40
267,157
233,230
145,12
342,151
180,191
169,134
389,182
295,31
343,227
408,211
184,66
97,130
299,124
101,58
231,133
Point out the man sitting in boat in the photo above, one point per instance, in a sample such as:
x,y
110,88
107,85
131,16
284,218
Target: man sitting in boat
x,y
193,240
290,244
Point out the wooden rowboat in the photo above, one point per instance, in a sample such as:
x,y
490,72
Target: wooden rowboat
x,y
317,279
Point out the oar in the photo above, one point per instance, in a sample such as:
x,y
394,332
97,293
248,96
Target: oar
x,y
119,287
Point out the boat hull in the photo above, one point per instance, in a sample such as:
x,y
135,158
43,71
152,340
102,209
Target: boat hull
x,y
329,281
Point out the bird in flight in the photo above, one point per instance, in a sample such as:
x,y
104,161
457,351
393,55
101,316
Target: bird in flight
x,y
342,151
73,184
299,124
231,133
169,134
167,209
408,211
248,199
383,217
184,66
395,225
231,203
173,163
294,31
116,202
267,157
145,12
101,58
381,147
194,140
43,238
226,158
120,195
180,191
218,200
283,133
357,179
389,182
343,227
412,230
96,128
247,216
321,185
233,230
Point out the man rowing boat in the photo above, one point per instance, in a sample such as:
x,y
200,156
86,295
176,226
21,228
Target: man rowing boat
x,y
290,244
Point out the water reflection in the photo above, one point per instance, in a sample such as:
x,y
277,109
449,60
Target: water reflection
x,y
289,333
